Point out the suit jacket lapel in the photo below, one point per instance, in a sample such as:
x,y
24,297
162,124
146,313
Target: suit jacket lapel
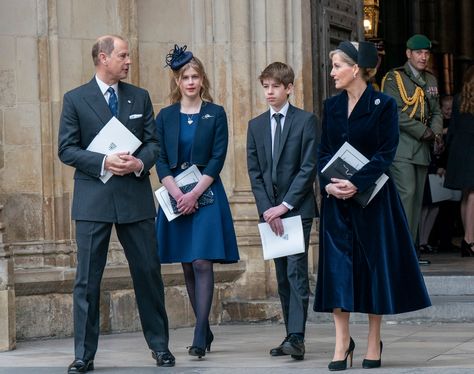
x,y
126,101
96,101
267,136
286,130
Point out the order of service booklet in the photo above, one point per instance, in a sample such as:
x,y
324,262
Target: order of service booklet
x,y
114,137
290,243
188,176
347,161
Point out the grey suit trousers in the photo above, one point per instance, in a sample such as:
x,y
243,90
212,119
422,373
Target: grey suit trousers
x,y
293,285
139,243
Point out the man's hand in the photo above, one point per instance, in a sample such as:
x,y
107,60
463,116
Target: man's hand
x,y
428,136
439,143
277,226
441,172
122,163
272,217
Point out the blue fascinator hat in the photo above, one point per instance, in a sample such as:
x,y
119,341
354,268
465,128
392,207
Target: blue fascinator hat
x,y
178,57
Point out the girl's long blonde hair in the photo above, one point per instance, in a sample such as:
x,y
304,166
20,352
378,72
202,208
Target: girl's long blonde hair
x,y
196,64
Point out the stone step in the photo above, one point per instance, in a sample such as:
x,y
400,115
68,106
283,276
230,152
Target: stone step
x,y
450,285
452,298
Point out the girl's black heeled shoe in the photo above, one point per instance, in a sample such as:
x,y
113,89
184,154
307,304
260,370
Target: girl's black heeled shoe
x,y
466,249
209,340
196,351
342,364
372,364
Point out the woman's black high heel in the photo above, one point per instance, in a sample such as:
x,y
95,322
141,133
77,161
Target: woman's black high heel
x,y
372,364
342,364
196,351
466,249
209,340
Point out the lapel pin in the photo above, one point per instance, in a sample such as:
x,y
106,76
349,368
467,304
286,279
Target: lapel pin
x,y
377,101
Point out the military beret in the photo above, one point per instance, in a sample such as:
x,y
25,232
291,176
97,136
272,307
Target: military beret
x,y
178,57
418,41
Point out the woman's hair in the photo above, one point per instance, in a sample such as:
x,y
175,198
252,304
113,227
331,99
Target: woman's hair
x,y
196,64
467,92
366,73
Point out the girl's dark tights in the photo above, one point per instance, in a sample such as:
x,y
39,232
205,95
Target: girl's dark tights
x,y
199,277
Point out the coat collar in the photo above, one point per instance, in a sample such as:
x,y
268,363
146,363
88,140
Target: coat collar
x,y
174,120
361,108
418,80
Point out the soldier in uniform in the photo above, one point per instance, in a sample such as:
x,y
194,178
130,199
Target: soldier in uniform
x,y
421,124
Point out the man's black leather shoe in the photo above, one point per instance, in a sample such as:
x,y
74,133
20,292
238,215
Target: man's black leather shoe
x,y
80,366
294,346
164,358
278,351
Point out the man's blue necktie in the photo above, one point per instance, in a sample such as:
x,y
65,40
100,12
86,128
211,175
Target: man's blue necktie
x,y
113,103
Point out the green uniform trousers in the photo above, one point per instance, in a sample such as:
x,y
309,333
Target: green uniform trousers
x,y
410,181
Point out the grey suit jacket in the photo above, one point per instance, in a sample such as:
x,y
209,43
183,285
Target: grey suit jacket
x,y
296,163
123,199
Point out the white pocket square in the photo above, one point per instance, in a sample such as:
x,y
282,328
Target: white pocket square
x,y
134,116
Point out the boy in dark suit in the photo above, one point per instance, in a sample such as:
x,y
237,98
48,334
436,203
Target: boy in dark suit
x,y
281,161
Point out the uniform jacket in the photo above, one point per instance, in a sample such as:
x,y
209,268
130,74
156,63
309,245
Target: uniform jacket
x,y
411,149
210,141
296,168
123,199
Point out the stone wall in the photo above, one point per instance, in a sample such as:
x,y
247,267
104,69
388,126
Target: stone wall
x,y
46,51
7,294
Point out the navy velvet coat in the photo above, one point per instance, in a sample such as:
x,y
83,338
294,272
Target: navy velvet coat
x,y
367,261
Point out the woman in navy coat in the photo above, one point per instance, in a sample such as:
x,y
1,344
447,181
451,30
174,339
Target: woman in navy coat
x,y
367,262
193,131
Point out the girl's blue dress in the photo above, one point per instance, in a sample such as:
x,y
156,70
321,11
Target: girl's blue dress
x,y
206,234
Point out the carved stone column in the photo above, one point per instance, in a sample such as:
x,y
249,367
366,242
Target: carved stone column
x,y
7,295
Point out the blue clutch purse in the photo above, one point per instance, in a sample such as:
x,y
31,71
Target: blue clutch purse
x,y
205,199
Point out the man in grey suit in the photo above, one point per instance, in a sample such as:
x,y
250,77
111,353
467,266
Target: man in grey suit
x,y
281,161
126,200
